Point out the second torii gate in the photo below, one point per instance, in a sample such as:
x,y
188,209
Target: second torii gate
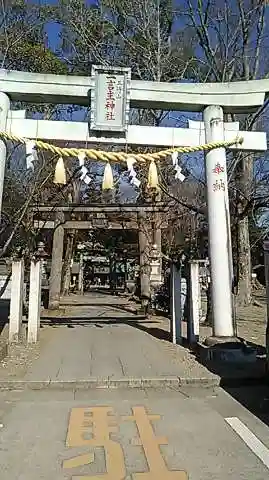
x,y
101,216
213,99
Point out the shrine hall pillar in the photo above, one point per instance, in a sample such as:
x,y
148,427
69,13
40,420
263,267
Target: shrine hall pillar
x,y
56,262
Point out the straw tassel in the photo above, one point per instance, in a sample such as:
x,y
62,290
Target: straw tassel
x,y
153,180
60,174
108,182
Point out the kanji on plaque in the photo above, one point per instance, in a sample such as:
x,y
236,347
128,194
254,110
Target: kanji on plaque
x,y
119,89
110,98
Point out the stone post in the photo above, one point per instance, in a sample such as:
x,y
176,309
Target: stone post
x,y
56,262
34,301
16,301
176,304
194,310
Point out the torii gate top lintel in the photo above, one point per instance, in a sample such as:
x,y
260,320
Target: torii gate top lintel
x,y
234,97
237,97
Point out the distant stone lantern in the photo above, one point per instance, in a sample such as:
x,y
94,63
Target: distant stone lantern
x,y
41,254
40,251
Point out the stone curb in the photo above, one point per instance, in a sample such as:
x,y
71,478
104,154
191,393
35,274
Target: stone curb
x,y
108,383
117,383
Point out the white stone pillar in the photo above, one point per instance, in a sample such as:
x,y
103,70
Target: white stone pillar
x,y
176,305
195,296
218,221
4,109
34,301
16,301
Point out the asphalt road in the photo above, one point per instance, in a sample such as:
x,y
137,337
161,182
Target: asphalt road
x,y
200,434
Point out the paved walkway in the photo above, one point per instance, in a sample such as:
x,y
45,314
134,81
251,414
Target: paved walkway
x,y
105,343
95,339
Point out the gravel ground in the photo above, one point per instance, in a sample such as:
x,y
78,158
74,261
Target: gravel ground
x,y
20,357
250,320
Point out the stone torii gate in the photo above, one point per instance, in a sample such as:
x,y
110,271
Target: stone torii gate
x,y
107,128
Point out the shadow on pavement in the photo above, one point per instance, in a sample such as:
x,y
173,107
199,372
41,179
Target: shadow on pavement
x,y
247,383
115,306
76,320
138,322
254,398
251,369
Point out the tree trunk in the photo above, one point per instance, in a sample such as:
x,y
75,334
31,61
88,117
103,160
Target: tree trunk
x,y
244,181
244,286
75,199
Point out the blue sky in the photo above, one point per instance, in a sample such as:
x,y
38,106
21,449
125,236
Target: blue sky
x,y
53,29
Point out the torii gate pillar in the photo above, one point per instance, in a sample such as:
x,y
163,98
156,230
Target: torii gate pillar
x,y
219,227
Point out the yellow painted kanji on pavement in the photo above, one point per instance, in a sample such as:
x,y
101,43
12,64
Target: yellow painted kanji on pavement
x,y
92,427
100,421
150,443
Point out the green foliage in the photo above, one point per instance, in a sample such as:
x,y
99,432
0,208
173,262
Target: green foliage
x,y
23,40
35,58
